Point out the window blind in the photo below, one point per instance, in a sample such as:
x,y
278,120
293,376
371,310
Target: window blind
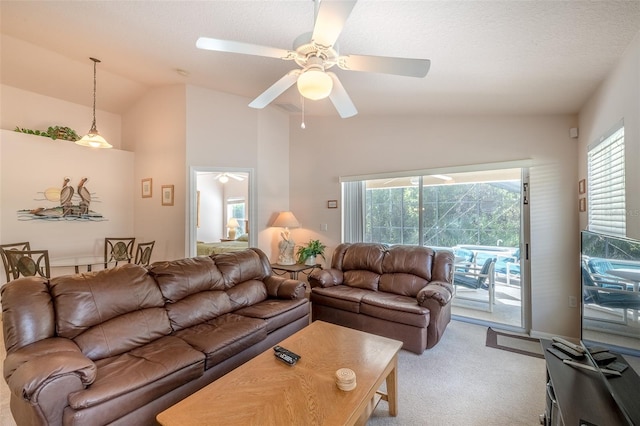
x,y
606,177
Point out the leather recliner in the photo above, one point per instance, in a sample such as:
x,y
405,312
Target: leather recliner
x,y
401,292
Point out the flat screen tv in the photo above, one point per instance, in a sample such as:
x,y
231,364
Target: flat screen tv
x,y
610,271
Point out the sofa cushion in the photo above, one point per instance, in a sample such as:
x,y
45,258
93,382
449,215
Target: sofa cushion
x,y
247,293
414,260
240,266
197,308
150,371
402,283
339,297
224,336
109,312
123,333
361,279
395,308
276,312
178,279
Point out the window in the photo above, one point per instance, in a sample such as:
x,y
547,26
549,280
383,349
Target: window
x,y
479,208
606,194
236,208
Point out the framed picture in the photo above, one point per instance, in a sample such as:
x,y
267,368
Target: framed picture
x,y
332,204
167,195
582,186
147,188
583,204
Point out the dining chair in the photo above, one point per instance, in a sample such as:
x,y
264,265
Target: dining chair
x,y
118,250
8,268
29,263
143,253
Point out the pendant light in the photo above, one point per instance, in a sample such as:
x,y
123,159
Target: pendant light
x,y
93,138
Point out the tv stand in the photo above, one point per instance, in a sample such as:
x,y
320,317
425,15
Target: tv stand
x,y
580,397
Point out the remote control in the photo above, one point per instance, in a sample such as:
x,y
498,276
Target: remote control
x,y
576,348
568,350
285,358
604,357
617,366
558,353
286,351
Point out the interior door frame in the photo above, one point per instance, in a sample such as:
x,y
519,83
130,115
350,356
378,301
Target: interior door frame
x,y
192,213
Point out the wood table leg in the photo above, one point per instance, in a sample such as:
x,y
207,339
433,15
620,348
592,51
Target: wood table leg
x,y
392,388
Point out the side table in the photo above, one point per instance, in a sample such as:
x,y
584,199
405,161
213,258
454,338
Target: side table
x,y
293,270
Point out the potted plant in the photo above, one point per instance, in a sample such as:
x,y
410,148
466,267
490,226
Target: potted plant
x,y
307,254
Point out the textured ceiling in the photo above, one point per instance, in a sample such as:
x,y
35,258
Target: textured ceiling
x,y
516,57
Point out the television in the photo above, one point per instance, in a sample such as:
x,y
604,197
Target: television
x,y
610,271
623,389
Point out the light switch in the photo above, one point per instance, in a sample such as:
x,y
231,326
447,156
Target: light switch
x,y
323,226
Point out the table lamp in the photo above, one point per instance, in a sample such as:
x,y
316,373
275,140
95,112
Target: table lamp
x,y
286,220
233,226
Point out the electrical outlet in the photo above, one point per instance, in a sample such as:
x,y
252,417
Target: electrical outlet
x,y
323,226
573,302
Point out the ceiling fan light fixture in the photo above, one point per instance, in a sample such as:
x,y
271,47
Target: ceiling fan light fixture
x,y
315,84
223,179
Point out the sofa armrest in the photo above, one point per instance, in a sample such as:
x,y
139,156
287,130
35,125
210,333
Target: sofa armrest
x,y
284,288
440,291
325,277
32,367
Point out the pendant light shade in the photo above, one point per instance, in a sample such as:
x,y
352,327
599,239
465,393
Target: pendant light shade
x,y
93,138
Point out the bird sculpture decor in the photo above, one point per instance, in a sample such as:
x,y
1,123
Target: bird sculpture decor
x,y
72,204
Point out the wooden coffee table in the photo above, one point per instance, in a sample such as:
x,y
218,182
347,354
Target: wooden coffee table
x,y
266,391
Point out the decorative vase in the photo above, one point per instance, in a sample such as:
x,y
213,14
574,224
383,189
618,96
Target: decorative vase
x,y
311,260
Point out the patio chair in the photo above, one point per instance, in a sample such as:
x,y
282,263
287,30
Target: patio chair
x,y
143,253
118,250
29,263
598,268
607,295
8,268
478,278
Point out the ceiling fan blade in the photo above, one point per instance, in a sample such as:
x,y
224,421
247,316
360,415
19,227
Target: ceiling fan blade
x,y
387,65
341,99
236,177
244,48
330,19
275,90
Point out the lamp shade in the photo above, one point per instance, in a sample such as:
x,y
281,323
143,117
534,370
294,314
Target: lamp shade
x,y
315,84
93,140
286,220
233,223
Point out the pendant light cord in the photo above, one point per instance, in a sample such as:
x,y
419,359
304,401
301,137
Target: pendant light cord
x,y
95,61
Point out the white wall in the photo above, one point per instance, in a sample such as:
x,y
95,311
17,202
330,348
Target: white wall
x,y
155,129
20,108
31,164
331,148
223,132
617,98
211,208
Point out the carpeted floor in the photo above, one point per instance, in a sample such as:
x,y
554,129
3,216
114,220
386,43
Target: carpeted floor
x,y
461,381
514,343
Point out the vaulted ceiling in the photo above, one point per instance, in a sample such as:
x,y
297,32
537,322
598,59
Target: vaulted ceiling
x,y
502,57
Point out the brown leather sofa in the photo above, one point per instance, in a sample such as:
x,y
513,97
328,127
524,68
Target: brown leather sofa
x,y
120,345
401,292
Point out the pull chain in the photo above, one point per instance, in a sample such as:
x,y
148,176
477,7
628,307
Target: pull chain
x,y
302,125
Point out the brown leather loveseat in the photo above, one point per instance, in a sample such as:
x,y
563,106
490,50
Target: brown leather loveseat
x,y
402,292
120,345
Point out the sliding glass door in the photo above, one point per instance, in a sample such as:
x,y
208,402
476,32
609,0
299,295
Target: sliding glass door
x,y
476,214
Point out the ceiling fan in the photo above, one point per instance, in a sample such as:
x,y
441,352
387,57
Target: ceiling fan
x,y
315,53
224,177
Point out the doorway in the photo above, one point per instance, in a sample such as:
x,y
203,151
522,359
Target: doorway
x,y
221,210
